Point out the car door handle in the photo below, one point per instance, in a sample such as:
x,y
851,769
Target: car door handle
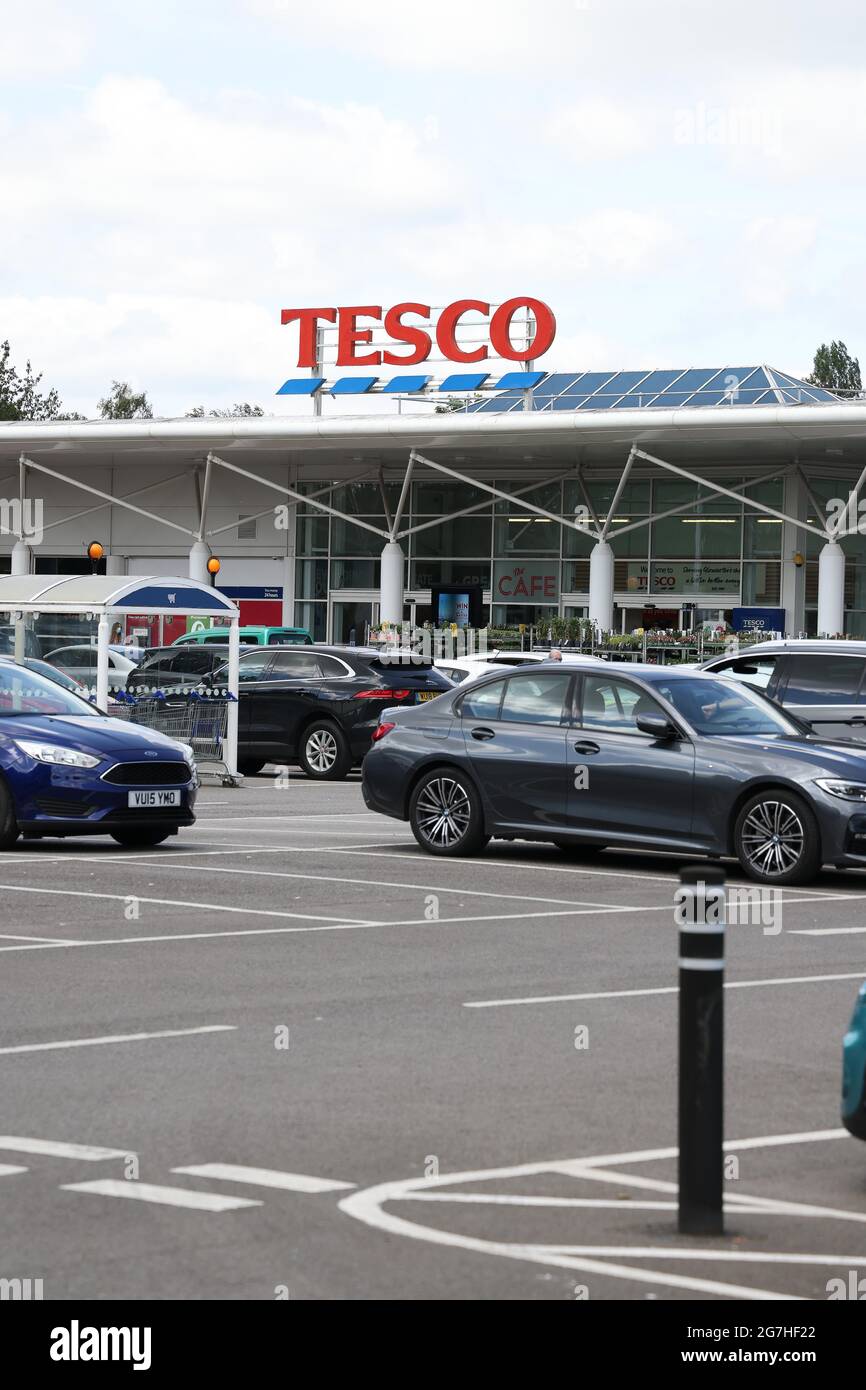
x,y
858,719
483,734
584,746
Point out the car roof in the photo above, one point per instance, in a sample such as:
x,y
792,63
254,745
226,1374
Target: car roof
x,y
845,646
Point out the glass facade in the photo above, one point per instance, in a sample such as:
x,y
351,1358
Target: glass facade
x,y
700,547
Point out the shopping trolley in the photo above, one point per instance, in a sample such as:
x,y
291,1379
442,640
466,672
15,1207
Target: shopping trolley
x,y
195,716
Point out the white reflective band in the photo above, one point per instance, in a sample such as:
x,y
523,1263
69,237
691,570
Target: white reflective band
x,y
703,928
689,964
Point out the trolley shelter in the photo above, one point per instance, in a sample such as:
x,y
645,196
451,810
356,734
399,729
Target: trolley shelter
x,y
104,599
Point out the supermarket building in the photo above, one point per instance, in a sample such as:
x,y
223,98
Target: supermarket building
x,y
632,497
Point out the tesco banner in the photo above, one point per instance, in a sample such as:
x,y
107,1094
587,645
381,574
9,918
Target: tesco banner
x,y
356,324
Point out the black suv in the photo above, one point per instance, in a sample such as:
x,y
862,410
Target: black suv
x,y
317,706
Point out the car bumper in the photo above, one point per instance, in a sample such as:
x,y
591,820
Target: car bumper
x,y
854,1071
61,801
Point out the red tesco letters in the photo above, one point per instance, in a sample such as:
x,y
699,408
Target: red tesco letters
x,y
351,336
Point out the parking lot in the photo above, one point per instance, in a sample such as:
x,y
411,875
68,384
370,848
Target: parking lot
x,y
289,1055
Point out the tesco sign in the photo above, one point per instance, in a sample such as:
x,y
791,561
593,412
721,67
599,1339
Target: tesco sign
x,y
353,339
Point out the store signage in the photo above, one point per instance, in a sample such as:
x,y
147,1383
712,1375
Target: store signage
x,y
765,620
352,337
532,582
700,577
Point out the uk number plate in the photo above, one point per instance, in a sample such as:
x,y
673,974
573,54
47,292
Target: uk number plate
x,y
143,801
426,695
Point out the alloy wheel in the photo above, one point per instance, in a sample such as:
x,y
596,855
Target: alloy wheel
x,y
321,750
443,811
773,838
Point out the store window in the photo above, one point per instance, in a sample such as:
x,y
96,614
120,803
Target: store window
x,y
464,535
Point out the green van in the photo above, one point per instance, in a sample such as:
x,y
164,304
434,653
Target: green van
x,y
250,637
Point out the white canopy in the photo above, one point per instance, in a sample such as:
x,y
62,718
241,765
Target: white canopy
x,y
104,594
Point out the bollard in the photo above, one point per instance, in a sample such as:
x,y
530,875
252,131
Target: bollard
x,y
700,914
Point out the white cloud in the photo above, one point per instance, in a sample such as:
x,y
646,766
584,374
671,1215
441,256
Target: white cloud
x,y
771,259
489,35
599,129
40,38
613,241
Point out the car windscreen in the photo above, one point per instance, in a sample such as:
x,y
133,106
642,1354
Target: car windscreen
x,y
718,707
27,692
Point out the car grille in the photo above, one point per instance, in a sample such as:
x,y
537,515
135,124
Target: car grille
x,y
58,806
169,815
148,774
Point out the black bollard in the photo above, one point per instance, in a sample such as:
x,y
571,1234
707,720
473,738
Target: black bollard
x,y
700,914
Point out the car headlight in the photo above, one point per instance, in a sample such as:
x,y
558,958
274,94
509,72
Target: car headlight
x,y
54,753
848,791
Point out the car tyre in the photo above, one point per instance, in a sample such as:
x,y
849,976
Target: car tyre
x,y
140,839
445,813
9,830
324,753
776,838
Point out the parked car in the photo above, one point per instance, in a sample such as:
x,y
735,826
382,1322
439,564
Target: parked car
x,y
66,769
822,682
854,1070
466,668
249,636
53,673
317,705
649,757
79,662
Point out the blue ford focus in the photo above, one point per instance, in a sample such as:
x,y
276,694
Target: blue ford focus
x,y
67,769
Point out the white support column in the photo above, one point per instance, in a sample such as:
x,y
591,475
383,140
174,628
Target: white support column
x,y
115,564
198,557
103,632
21,558
793,590
391,584
231,748
831,590
601,586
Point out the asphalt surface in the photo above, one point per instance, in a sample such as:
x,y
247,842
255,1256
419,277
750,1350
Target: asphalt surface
x,y
355,1018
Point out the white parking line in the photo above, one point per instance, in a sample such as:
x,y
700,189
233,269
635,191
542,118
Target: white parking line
x,y
166,902
7,1169
165,1196
52,1148
828,931
263,1177
368,1206
335,926
664,989
119,1038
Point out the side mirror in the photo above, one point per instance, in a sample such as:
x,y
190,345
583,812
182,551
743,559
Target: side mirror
x,y
655,725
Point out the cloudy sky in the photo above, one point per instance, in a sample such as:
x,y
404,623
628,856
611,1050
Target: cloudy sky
x,y
681,180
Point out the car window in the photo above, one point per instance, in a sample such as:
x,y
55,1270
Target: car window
x,y
330,667
536,699
74,658
514,660
294,665
718,706
484,702
615,705
454,673
822,678
190,662
754,670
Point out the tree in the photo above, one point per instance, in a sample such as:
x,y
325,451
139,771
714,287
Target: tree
x,y
240,411
19,397
835,368
122,403
456,403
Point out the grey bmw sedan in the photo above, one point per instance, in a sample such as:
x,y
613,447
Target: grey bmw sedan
x,y
644,757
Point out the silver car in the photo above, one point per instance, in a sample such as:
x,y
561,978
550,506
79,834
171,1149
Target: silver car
x,y
821,682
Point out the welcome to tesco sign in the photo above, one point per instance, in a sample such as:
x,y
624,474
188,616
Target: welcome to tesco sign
x,y
351,338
